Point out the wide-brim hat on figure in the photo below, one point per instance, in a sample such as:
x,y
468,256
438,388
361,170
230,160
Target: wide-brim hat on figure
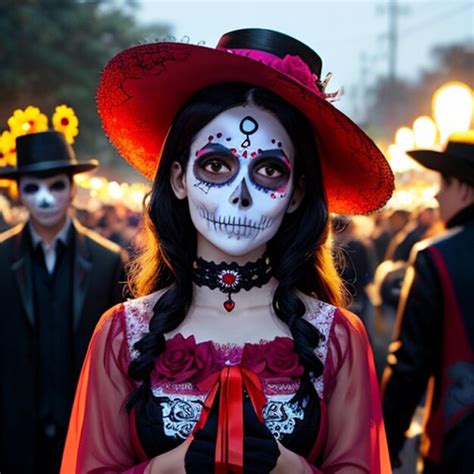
x,y
142,89
456,160
44,152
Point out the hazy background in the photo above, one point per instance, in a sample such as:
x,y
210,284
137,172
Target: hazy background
x,y
389,56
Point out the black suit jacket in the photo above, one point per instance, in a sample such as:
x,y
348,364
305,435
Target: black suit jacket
x,y
435,340
98,269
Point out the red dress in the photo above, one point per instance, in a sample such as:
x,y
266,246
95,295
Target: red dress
x,y
337,424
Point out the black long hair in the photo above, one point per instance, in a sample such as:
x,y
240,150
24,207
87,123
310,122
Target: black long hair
x,y
300,254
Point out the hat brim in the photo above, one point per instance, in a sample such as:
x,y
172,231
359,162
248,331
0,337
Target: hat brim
x,y
444,163
142,89
48,166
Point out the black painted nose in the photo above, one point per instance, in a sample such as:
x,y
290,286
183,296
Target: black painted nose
x,y
241,196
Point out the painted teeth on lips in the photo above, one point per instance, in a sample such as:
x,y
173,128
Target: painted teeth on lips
x,y
233,222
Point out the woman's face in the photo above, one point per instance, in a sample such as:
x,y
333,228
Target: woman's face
x,y
239,179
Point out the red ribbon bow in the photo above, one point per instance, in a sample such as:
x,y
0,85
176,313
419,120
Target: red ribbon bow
x,y
230,382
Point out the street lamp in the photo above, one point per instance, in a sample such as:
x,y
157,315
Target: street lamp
x,y
452,108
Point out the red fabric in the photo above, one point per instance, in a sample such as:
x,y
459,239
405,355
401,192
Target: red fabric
x,y
352,438
355,439
230,434
142,89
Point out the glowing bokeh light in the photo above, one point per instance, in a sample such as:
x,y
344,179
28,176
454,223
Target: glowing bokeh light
x,y
452,108
424,130
405,139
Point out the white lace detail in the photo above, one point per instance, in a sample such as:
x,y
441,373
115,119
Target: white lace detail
x,y
138,313
180,415
280,416
321,316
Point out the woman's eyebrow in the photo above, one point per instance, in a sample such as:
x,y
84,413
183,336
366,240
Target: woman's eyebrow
x,y
276,153
213,148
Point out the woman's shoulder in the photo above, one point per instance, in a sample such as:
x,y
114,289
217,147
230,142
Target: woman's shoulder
x,y
325,316
136,314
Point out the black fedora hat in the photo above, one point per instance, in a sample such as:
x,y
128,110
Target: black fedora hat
x,y
43,152
457,159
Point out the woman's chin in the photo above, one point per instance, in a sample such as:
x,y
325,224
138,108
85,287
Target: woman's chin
x,y
219,246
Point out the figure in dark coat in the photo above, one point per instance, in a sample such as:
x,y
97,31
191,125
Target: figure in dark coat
x,y
57,279
435,340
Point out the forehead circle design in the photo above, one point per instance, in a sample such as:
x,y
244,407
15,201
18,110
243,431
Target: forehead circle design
x,y
248,126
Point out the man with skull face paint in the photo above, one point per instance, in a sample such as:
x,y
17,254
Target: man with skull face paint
x,y
236,357
57,278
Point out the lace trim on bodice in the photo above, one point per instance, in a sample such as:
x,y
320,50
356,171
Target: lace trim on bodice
x,y
321,315
138,313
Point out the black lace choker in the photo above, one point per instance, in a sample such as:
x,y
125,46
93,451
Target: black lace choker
x,y
231,277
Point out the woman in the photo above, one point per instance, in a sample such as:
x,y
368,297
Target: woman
x,y
235,357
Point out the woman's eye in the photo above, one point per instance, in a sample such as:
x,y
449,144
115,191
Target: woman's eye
x,y
216,166
269,172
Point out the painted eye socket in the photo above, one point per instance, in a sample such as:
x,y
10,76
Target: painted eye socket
x,y
30,188
215,166
58,186
269,171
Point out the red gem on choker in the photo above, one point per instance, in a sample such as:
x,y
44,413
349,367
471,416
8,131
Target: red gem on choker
x,y
228,279
229,305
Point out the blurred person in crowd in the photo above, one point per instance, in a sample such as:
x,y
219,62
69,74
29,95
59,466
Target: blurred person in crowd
x,y
356,266
112,223
386,226
418,228
57,279
435,333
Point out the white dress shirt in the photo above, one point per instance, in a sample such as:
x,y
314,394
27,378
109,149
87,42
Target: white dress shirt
x,y
49,251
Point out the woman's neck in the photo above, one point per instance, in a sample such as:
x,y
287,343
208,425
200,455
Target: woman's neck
x,y
245,298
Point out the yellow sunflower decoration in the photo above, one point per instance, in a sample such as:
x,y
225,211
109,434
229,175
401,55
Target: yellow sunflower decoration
x,y
30,120
7,149
65,121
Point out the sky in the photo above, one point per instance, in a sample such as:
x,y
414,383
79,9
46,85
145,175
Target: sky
x,y
350,36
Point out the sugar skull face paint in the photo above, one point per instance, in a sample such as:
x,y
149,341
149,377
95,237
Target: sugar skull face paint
x,y
47,199
239,179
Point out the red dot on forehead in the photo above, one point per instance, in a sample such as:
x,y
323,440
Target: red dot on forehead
x,y
253,154
233,150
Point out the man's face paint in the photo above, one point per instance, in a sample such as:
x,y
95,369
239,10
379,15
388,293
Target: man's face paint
x,y
240,179
47,199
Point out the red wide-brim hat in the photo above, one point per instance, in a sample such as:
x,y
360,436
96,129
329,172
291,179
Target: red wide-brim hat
x,y
142,89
